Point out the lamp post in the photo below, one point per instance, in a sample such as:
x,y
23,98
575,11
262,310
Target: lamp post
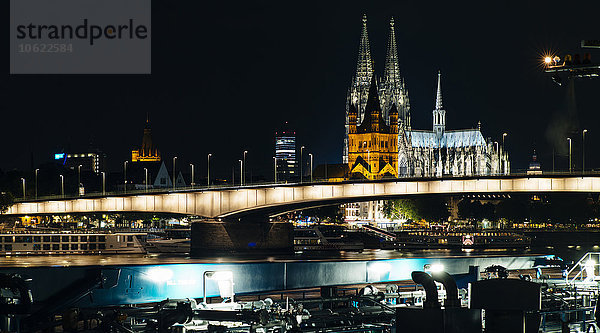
x,y
36,182
583,151
570,165
369,161
125,175
208,175
275,164
192,183
78,176
23,181
241,172
103,183
497,154
301,162
146,178
311,167
62,185
244,170
503,136
174,160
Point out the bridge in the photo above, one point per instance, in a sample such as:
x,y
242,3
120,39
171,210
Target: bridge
x,y
232,203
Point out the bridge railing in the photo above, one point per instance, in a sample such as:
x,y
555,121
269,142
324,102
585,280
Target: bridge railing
x,y
153,190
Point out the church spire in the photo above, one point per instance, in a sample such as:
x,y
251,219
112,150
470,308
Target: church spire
x,y
438,98
392,69
393,91
439,114
364,67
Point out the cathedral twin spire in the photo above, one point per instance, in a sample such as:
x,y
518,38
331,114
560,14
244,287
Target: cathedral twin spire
x,y
391,86
364,67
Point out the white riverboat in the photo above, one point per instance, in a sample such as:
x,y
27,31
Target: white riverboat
x,y
325,238
70,242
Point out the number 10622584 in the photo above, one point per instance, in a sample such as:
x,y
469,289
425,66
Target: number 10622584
x,y
45,48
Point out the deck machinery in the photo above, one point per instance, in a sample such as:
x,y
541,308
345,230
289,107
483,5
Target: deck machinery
x,y
431,302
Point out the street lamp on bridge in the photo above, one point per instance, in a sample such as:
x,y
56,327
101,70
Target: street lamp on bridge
x,y
174,160
62,185
301,162
125,176
146,178
192,183
570,165
36,182
208,174
583,151
244,169
23,181
311,167
241,172
78,176
368,162
103,183
275,172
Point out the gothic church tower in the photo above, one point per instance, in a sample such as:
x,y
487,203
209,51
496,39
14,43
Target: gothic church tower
x,y
359,90
439,114
392,90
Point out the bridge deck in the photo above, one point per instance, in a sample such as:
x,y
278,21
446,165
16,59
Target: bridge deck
x,y
229,202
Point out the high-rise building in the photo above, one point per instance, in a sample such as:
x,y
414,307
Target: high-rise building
x,y
148,152
285,154
90,161
535,167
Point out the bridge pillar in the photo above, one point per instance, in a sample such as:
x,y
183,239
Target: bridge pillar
x,y
212,236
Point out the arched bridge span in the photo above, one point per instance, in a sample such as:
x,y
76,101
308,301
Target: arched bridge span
x,y
271,199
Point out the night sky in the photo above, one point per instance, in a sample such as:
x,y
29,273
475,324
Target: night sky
x,y
226,76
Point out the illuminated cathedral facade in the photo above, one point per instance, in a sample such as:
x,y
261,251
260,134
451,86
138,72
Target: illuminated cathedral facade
x,y
380,141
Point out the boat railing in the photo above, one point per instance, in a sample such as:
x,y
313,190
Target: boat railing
x,y
583,317
585,269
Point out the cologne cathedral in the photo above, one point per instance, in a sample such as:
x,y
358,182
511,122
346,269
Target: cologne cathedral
x,y
380,141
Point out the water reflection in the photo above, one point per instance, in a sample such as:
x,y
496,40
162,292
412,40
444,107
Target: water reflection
x,y
154,259
567,252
